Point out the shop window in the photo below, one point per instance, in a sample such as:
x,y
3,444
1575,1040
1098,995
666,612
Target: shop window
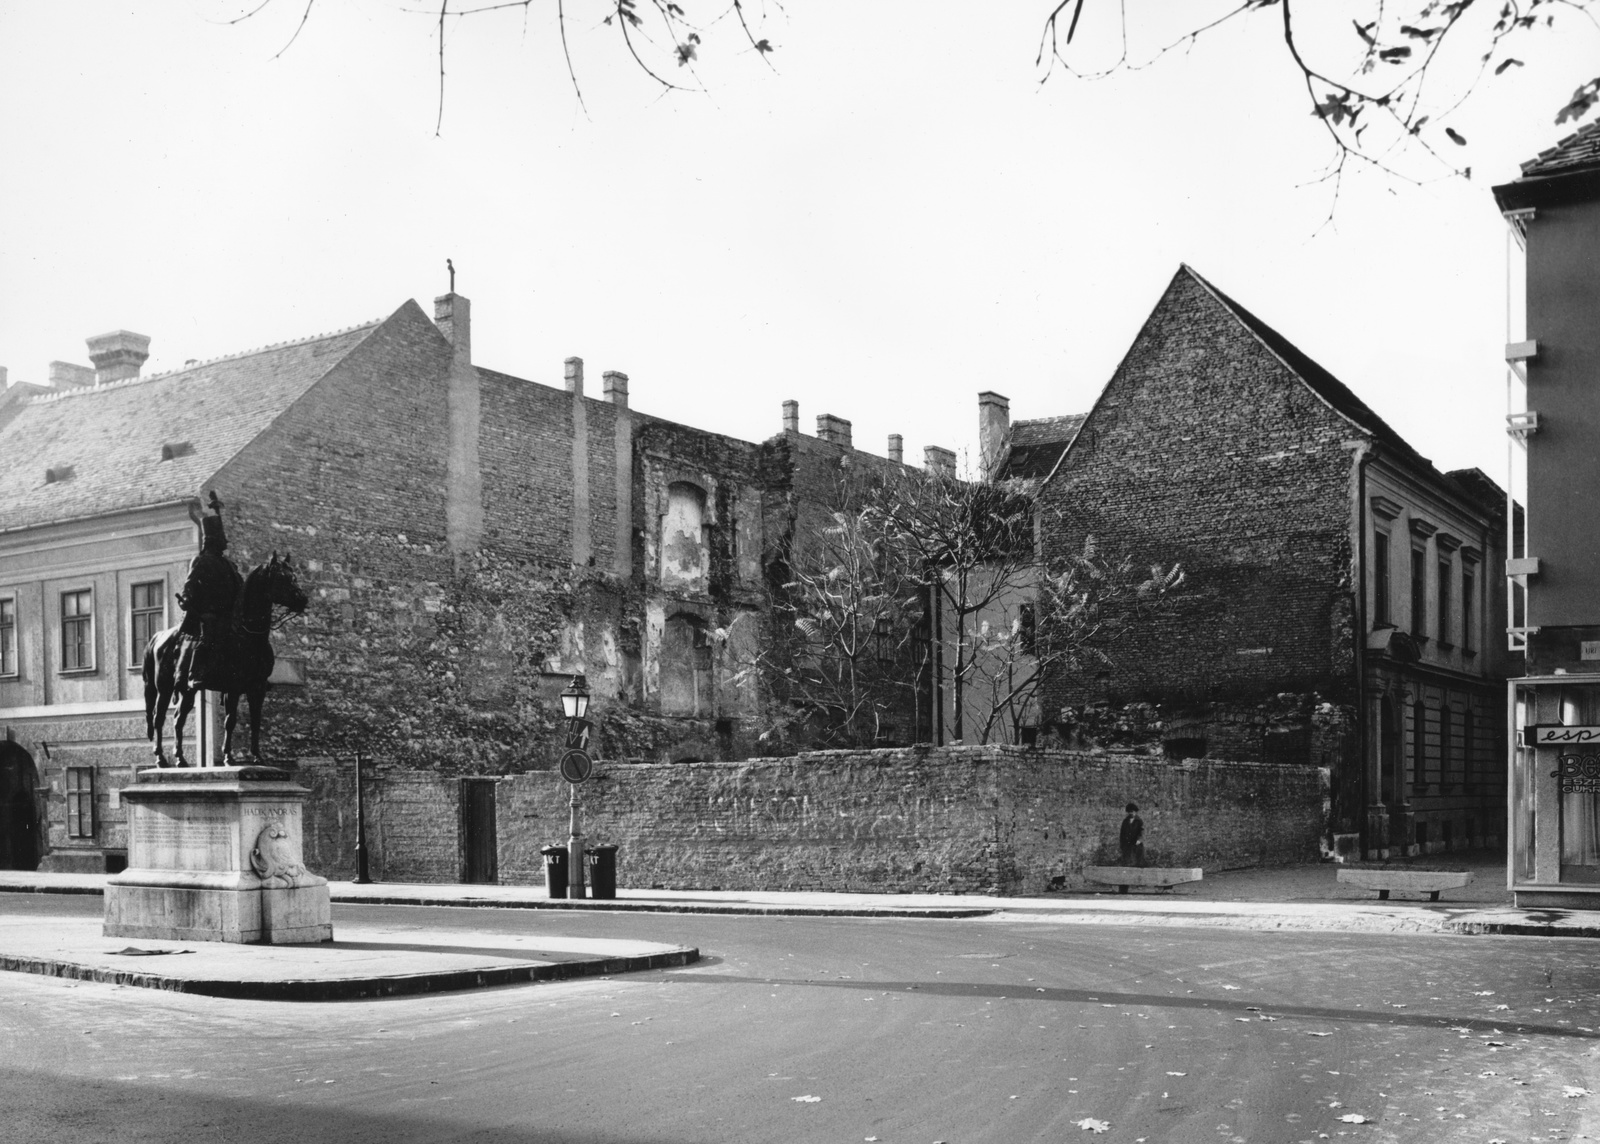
x,y
80,802
147,615
77,630
1380,579
8,635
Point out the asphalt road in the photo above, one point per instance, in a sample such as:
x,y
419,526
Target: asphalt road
x,y
846,1030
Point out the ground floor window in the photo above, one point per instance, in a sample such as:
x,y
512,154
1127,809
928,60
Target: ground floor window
x,y
80,802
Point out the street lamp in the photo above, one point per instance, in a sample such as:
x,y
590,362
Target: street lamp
x,y
575,699
575,705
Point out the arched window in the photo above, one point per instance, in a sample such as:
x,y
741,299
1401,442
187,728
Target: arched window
x,y
683,535
685,666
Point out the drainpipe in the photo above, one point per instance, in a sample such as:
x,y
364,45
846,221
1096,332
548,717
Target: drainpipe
x,y
1363,458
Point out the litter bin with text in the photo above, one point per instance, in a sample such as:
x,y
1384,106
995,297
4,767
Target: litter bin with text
x,y
555,871
602,871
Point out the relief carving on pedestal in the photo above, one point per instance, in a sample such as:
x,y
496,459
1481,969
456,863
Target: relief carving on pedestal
x,y
273,855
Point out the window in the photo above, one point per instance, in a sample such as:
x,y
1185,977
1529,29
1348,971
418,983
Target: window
x,y
8,636
1380,578
80,802
1026,620
1419,594
1447,759
1444,601
1469,605
147,615
1419,745
77,630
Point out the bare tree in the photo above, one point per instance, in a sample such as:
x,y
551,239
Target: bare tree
x,y
1078,615
1382,78
658,36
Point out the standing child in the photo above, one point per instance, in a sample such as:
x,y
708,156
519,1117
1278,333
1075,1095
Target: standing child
x,y
1133,837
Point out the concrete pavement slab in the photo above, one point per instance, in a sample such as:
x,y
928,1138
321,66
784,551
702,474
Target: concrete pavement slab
x,y
362,961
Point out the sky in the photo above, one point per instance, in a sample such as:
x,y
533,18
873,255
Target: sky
x,y
892,217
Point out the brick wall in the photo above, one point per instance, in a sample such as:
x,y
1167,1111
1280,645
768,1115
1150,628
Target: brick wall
x,y
951,820
1206,450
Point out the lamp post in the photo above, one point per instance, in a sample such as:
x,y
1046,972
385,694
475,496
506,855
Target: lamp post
x,y
575,705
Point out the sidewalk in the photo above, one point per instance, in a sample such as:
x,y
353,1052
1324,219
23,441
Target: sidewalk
x,y
1282,897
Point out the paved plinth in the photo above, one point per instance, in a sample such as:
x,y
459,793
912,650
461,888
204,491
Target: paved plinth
x,y
367,961
214,854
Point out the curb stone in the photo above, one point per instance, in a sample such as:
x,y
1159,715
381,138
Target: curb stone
x,y
354,988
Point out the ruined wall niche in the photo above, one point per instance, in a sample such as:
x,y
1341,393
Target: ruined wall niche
x,y
685,666
685,559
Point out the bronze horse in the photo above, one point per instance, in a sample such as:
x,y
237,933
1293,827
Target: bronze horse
x,y
246,650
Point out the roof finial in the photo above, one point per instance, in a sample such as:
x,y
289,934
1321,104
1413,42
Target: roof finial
x,y
451,266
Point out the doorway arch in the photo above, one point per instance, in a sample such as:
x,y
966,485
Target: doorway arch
x,y
19,809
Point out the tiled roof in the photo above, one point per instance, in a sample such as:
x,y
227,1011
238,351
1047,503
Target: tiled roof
x,y
112,435
1321,382
1036,445
1578,151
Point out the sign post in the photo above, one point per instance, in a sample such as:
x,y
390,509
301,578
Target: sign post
x,y
576,766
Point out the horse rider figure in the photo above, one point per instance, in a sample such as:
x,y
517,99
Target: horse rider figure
x,y
207,601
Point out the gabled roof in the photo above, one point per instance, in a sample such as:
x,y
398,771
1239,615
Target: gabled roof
x,y
112,436
1320,381
1037,444
1578,151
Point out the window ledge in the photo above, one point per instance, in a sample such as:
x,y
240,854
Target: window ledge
x,y
78,671
1444,645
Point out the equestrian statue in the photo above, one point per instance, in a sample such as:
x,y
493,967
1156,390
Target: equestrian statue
x,y
223,643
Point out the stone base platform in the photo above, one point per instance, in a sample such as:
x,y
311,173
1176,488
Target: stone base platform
x,y
214,854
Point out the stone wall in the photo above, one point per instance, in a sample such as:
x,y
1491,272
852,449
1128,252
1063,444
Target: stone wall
x,y
946,820
1206,450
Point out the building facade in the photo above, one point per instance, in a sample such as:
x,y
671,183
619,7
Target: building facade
x,y
469,541
1337,610
1553,577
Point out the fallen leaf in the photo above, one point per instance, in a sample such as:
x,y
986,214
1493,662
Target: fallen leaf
x,y
1309,1034
806,1099
1089,1124
1354,1118
1572,1092
1484,993
1177,1074
1230,987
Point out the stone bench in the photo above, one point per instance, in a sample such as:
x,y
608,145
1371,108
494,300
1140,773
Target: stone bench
x,y
1428,882
1161,877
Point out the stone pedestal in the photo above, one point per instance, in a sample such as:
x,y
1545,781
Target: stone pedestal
x,y
214,854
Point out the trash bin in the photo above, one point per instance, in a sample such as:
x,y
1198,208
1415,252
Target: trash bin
x,y
602,871
555,871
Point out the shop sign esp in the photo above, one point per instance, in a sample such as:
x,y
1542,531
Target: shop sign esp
x,y
1557,735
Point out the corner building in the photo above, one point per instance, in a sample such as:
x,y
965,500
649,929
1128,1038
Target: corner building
x,y
1338,610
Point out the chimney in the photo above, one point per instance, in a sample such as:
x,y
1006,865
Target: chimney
x,y
118,355
616,387
897,449
994,430
834,429
65,375
791,417
574,376
453,315
938,461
